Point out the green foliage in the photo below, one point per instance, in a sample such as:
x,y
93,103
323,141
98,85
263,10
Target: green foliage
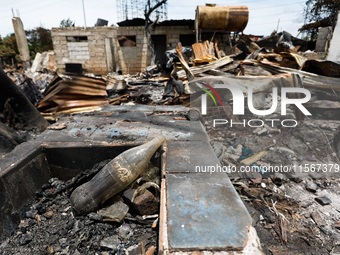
x,y
8,47
39,40
320,13
67,23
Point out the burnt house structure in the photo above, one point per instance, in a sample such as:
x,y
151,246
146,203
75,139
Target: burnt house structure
x,y
124,48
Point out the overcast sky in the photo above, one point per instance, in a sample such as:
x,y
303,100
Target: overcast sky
x,y
264,15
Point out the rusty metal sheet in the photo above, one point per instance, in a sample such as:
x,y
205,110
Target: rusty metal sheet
x,y
73,94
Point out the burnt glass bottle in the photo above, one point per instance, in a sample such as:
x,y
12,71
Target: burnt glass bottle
x,y
114,177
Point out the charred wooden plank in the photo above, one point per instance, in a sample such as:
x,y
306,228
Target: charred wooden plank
x,y
19,111
204,68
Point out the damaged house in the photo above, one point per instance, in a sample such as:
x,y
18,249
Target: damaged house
x,y
124,49
214,179
105,49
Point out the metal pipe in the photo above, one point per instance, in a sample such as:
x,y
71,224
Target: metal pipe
x,y
84,14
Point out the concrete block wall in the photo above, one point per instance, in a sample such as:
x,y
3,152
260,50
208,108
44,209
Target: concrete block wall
x,y
173,34
324,36
93,55
133,59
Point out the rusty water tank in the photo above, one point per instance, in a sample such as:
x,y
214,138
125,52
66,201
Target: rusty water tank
x,y
225,18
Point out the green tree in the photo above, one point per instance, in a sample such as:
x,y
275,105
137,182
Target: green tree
x,y
67,23
320,13
8,47
39,40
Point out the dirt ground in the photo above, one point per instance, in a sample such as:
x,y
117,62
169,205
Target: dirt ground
x,y
296,212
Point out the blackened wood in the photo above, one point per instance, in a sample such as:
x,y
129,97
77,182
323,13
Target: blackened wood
x,y
18,111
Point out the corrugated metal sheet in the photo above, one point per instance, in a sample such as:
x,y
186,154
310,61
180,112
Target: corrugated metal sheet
x,y
70,94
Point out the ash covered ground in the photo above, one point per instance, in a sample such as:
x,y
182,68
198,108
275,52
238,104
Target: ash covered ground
x,y
49,226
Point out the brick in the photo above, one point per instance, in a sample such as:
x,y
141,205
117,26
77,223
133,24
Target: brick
x,y
146,203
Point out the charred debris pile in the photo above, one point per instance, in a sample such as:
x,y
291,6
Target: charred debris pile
x,y
288,211
277,56
277,60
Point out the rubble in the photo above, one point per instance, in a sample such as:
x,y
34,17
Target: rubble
x,y
281,205
19,119
50,226
311,186
115,212
146,203
287,207
278,213
203,59
323,200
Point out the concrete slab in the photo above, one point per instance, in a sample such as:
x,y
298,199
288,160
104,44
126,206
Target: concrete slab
x,y
199,211
124,129
205,213
184,157
146,108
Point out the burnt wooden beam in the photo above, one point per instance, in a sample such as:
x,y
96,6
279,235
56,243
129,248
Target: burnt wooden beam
x,y
18,111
